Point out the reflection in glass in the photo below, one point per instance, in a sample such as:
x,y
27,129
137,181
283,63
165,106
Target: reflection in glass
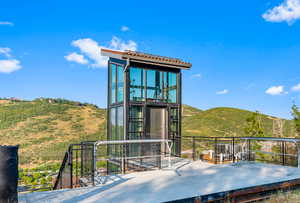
x,y
113,123
136,128
120,123
136,84
174,129
165,86
172,96
120,83
116,128
113,83
154,85
112,129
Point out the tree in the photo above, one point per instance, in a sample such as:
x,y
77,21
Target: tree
x,y
296,118
253,127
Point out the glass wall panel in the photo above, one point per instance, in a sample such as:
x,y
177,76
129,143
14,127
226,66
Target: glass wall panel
x,y
154,85
172,96
116,128
120,84
136,128
174,120
136,122
165,86
174,129
151,84
112,130
159,85
113,83
113,123
137,84
120,123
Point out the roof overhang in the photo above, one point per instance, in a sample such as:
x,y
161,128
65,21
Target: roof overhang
x,y
139,57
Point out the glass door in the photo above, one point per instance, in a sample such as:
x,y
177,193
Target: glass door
x,y
157,125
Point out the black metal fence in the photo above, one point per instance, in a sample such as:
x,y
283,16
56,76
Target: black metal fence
x,y
85,163
212,149
77,166
218,150
133,157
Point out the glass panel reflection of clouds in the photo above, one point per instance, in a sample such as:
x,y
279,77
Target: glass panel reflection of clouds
x,y
136,84
172,88
113,83
160,86
120,84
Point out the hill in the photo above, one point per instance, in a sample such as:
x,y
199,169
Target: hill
x,y
45,127
224,121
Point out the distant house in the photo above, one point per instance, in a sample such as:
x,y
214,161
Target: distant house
x,y
15,99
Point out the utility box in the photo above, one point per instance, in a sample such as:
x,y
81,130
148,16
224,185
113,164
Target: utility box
x,y
8,174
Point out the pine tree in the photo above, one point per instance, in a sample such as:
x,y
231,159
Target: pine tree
x,y
296,118
253,127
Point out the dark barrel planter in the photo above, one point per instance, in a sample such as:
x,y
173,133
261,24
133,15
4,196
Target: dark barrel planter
x,y
8,174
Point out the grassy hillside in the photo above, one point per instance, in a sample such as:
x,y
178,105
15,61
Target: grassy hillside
x,y
217,121
45,127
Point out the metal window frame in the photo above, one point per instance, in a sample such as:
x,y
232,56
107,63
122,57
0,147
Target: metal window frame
x,y
145,103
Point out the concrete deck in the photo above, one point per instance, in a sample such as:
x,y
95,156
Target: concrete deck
x,y
189,180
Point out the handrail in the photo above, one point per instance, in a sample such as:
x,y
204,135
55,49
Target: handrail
x,y
80,161
62,167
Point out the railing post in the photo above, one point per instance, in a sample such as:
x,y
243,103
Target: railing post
x,y
159,152
194,150
215,154
81,159
123,158
76,167
283,153
298,157
233,150
71,165
93,164
249,151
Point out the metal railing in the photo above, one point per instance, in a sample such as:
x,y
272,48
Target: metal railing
x,y
283,151
77,164
86,163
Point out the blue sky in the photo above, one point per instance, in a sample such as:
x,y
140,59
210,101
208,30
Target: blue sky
x,y
245,54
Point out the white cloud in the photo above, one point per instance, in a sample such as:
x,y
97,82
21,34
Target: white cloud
x,y
197,75
8,66
5,51
117,43
275,90
288,11
125,28
6,23
78,58
91,49
225,91
296,88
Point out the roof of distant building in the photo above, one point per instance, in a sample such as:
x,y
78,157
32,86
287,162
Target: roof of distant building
x,y
147,58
